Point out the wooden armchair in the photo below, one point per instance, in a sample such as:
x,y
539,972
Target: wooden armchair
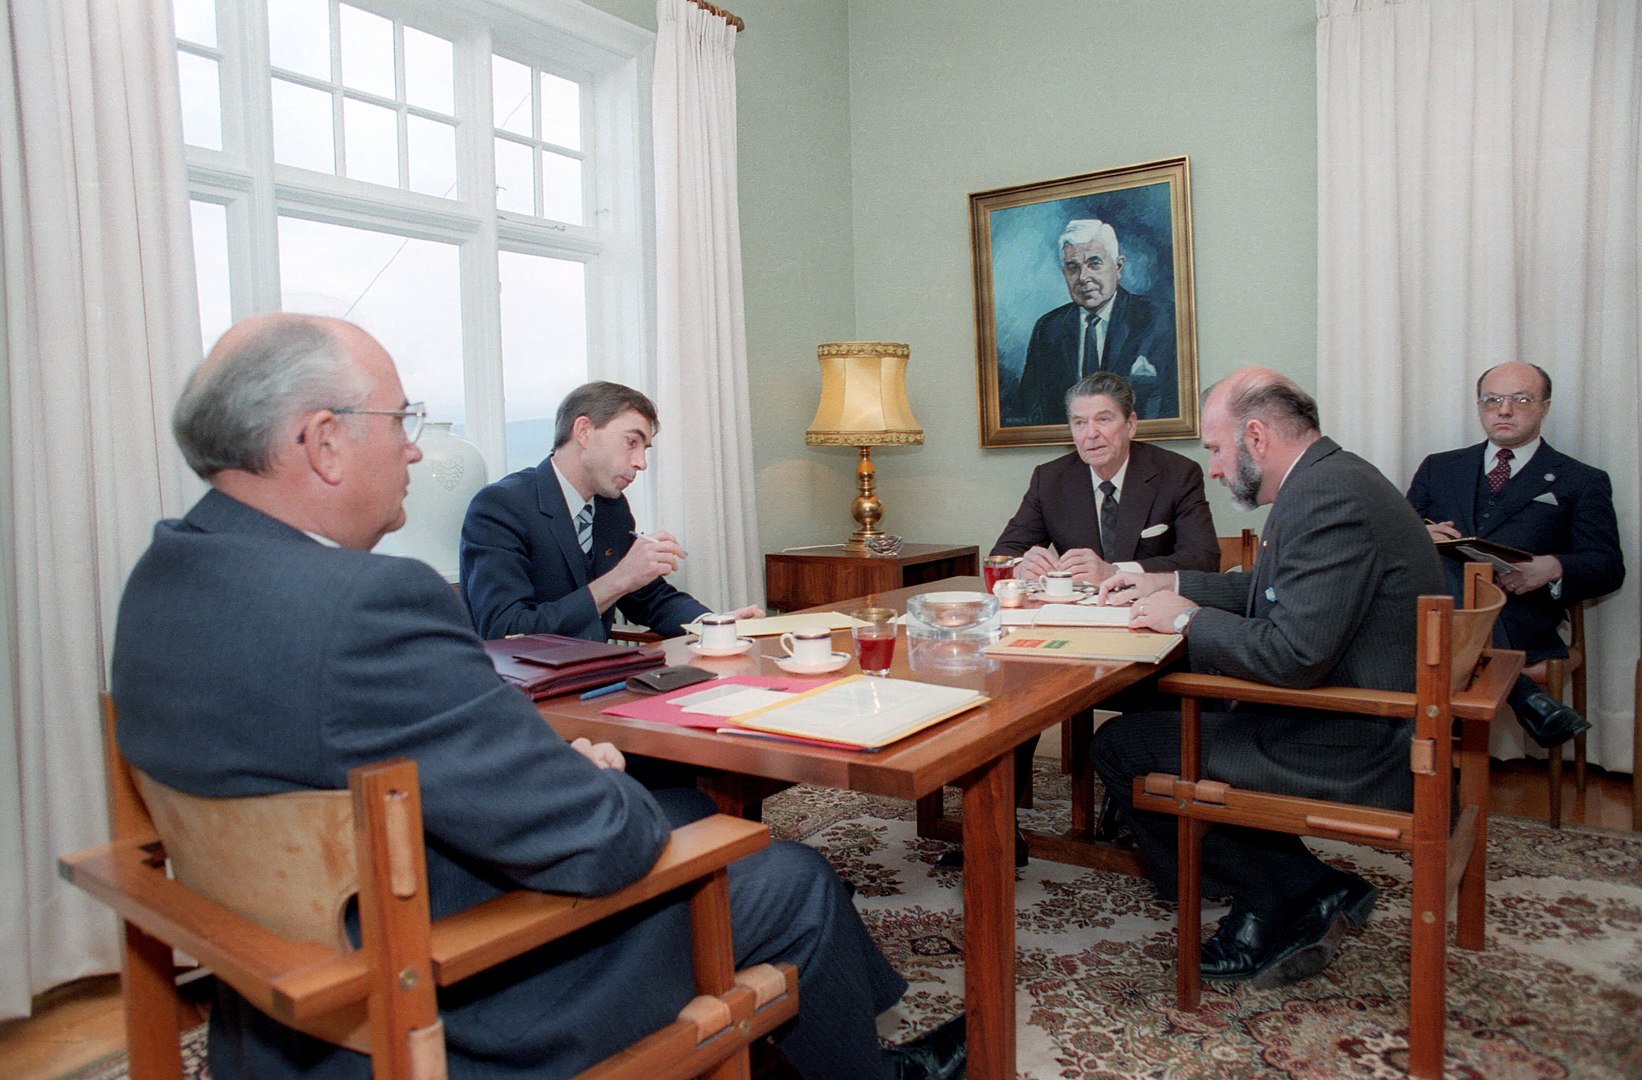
x,y
258,897
1238,552
1456,679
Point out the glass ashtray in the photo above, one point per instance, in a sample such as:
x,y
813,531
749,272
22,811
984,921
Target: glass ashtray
x,y
951,614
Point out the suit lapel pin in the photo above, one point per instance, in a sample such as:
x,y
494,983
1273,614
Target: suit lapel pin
x,y
1550,477
1271,595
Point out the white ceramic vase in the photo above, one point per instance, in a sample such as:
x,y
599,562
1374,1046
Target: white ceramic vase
x,y
442,484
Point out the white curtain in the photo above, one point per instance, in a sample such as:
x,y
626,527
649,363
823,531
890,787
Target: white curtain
x,y
704,459
1478,202
100,327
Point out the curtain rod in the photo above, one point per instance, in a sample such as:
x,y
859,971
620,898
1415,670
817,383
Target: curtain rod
x,y
728,16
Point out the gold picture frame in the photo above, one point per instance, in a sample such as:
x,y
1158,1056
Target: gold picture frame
x,y
1030,325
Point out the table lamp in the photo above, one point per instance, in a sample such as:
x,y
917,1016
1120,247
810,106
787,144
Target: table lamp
x,y
864,404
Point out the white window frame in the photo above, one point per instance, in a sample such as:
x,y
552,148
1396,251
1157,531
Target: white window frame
x,y
609,57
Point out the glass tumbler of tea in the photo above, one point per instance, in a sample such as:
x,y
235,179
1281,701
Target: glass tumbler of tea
x,y
874,631
995,568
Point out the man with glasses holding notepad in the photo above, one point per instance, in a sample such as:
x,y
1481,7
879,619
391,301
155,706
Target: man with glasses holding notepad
x,y
1516,489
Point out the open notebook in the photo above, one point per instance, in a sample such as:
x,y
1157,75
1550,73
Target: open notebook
x,y
859,711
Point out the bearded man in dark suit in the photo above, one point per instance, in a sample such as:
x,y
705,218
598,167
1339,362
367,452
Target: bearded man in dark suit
x,y
261,647
1105,328
1331,601
1536,499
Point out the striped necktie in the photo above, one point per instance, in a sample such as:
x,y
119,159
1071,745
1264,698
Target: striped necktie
x,y
584,528
1108,518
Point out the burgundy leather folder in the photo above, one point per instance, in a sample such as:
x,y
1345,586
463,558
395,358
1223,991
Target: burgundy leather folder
x,y
544,665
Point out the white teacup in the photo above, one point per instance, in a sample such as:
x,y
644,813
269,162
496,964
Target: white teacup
x,y
718,632
1058,583
810,647
1010,593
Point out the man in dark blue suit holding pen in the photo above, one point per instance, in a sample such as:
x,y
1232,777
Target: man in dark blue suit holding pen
x,y
1517,490
551,549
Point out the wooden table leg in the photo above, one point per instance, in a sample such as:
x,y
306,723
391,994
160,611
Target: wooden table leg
x,y
989,918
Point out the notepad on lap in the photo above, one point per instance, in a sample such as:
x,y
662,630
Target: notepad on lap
x,y
1054,643
860,711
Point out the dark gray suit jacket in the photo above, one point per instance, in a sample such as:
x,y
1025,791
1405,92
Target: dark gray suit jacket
x,y
251,659
523,571
1160,488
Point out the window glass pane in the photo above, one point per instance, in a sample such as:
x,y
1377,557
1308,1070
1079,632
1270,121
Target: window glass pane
x,y
201,101
195,20
302,127
211,269
510,95
561,188
561,112
367,52
299,36
371,142
432,157
515,178
429,72
544,348
406,292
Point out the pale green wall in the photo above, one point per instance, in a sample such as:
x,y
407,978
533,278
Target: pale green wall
x,y
865,124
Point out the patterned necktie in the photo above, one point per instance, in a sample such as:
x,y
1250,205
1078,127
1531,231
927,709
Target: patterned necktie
x,y
584,528
1501,471
1091,346
1108,518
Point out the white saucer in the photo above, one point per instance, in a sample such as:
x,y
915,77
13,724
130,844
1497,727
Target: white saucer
x,y
791,666
741,645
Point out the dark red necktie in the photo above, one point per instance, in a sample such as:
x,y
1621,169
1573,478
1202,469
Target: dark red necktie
x,y
1501,471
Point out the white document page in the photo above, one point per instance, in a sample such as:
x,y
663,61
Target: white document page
x,y
863,711
730,700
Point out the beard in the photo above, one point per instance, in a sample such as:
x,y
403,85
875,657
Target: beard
x,y
1244,484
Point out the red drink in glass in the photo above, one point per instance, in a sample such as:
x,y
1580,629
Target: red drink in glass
x,y
875,653
994,568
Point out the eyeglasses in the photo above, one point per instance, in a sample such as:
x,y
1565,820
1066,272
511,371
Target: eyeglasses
x,y
411,417
1494,401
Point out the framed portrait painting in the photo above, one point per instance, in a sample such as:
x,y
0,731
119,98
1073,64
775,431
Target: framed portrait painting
x,y
1087,273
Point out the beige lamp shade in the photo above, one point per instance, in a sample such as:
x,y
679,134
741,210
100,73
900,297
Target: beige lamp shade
x,y
863,396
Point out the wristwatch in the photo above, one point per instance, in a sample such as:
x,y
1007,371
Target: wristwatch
x,y
1185,617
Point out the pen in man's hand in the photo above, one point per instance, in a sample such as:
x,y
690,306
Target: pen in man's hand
x,y
603,690
653,540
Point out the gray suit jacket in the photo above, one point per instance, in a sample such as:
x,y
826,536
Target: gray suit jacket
x,y
1332,596
1160,488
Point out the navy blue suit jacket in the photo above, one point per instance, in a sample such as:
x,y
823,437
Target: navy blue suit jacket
x,y
524,573
1141,327
1554,505
1160,488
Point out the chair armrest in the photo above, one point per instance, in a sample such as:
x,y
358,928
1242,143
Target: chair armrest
x,y
1329,698
484,935
1497,672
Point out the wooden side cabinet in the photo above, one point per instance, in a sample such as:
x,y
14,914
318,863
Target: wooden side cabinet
x,y
806,577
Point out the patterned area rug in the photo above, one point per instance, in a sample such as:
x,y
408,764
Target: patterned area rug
x,y
1557,993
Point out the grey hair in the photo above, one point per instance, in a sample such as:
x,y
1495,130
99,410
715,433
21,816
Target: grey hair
x,y
600,402
235,408
1109,383
1088,231
1275,399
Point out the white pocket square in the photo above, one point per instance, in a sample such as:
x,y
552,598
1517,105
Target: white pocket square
x,y
1546,498
1155,530
1142,368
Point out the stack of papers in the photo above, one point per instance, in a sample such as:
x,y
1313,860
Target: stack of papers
x,y
858,711
1051,643
782,624
1066,615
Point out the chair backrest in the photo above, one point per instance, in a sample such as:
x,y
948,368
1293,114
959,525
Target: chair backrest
x,y
1238,552
1473,625
286,862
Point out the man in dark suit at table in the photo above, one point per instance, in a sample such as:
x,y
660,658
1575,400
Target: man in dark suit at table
x,y
551,549
1331,601
262,648
1105,328
1111,504
1517,490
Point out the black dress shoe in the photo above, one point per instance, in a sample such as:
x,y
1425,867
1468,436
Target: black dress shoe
x,y
1320,918
934,1055
954,859
1340,892
1546,720
1112,826
1240,943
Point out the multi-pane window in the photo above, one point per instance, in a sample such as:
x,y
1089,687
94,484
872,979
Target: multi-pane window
x,y
457,177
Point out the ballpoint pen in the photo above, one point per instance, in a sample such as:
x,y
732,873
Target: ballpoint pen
x,y
653,540
603,690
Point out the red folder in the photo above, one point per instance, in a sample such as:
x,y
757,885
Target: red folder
x,y
544,665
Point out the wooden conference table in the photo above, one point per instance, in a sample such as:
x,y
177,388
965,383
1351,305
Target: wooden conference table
x,y
972,751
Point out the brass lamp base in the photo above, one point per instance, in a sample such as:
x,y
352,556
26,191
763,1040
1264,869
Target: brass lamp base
x,y
866,507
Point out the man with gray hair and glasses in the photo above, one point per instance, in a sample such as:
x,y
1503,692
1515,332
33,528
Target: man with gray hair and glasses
x,y
1516,489
262,648
1105,328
